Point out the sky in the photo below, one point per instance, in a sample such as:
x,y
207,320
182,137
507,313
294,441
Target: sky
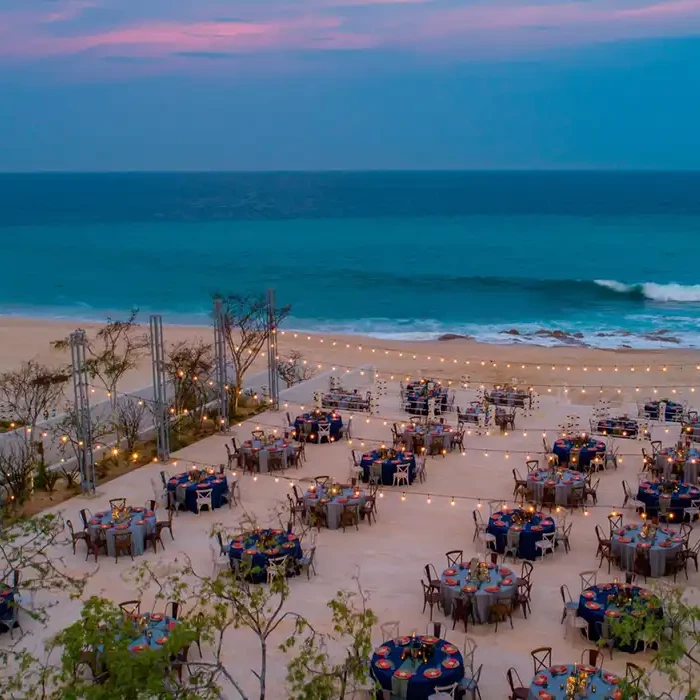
x,y
349,84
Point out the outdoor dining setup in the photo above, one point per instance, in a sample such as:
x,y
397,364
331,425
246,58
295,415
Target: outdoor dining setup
x,y
523,532
266,452
601,605
680,462
578,450
435,437
573,681
417,667
262,553
425,397
507,395
340,504
618,426
197,489
122,528
319,426
388,466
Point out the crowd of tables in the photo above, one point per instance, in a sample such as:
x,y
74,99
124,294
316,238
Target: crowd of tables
x,y
509,396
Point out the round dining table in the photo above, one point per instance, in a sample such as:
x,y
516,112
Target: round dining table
x,y
429,434
245,549
619,426
388,466
411,678
531,531
140,522
334,503
662,547
550,683
561,480
283,448
601,605
156,634
186,490
673,411
308,424
653,495
418,395
563,446
668,459
508,397
7,597
501,583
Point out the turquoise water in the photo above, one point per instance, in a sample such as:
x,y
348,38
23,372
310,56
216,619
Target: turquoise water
x,y
408,255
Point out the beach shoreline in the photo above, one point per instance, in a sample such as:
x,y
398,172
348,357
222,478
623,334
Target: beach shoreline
x,y
458,360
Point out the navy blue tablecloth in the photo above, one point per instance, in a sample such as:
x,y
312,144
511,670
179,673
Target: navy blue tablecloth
x,y
562,448
619,427
419,687
648,494
245,549
500,523
674,411
216,482
334,419
388,466
599,595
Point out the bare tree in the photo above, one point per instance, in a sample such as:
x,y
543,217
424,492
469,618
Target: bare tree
x,y
31,392
114,350
130,414
189,367
65,434
17,472
293,368
247,329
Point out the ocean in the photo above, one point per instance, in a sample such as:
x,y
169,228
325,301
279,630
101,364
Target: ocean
x,y
607,258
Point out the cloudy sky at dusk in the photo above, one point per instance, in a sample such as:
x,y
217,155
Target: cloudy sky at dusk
x,y
287,84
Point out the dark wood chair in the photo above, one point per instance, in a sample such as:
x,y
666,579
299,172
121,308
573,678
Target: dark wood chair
x,y
349,517
606,554
523,598
642,565
676,565
172,609
454,558
96,544
517,690
130,608
501,611
251,462
85,516
462,610
76,536
526,572
274,462
431,597
296,511
166,525
592,657
179,661
318,515
432,576
634,675
541,659
117,503
692,553
369,509
122,545
154,538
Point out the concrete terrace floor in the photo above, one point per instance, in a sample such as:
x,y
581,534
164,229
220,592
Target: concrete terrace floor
x,y
389,556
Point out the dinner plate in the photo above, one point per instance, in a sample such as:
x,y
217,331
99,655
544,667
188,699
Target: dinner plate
x,y
383,663
123,526
558,670
138,647
429,639
161,640
504,572
400,673
611,679
591,605
432,673
624,540
172,624
469,589
382,651
613,613
492,589
156,617
449,648
450,663
541,680
589,595
449,572
586,669
507,582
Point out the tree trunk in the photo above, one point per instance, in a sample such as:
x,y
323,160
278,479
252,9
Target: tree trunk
x,y
237,389
263,668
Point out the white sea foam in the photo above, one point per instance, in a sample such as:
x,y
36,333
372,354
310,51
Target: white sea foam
x,y
656,292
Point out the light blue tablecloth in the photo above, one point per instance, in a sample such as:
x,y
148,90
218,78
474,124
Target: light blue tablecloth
x,y
658,554
536,482
336,504
139,525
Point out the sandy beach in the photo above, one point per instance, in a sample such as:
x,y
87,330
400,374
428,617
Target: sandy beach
x,y
565,371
